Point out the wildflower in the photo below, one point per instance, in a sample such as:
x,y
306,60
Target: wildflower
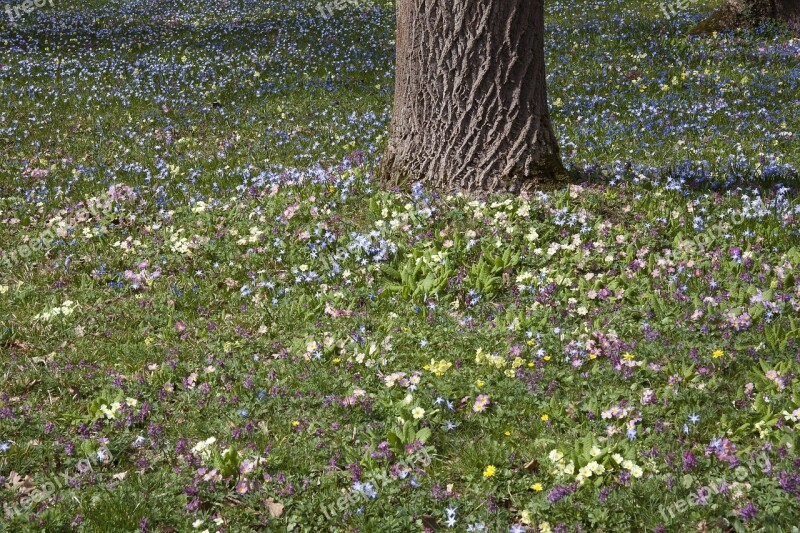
x,y
295,423
596,468
439,367
489,471
694,418
555,456
717,354
418,413
481,402
545,417
537,487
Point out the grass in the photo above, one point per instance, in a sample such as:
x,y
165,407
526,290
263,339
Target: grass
x,y
194,248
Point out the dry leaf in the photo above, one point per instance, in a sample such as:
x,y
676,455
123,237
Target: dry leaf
x,y
23,484
532,466
275,508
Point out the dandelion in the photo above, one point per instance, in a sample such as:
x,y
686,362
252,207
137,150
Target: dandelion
x,y
545,417
717,354
537,487
489,471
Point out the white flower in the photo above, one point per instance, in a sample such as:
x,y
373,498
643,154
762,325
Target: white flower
x,y
637,471
596,467
418,412
617,458
555,456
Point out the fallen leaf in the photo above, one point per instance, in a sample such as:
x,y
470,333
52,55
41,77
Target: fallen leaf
x,y
275,508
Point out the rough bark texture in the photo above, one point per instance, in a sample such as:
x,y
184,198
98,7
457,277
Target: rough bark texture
x,y
470,108
740,13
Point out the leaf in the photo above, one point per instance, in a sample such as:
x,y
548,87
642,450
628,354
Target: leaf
x,y
275,508
423,434
430,522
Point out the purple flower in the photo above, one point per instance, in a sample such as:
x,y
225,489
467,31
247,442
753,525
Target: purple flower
x,y
748,512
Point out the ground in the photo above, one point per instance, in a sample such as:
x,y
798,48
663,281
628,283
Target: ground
x,y
212,317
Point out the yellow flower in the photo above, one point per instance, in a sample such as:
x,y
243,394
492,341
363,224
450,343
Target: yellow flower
x,y
489,471
480,383
537,487
295,423
545,417
439,367
507,433
546,357
627,356
718,353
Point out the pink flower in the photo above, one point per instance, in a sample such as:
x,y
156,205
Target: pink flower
x,y
481,402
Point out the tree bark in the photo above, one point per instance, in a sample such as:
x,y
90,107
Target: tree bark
x,y
741,13
470,105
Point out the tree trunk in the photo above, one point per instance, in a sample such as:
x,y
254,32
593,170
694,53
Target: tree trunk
x,y
470,105
739,13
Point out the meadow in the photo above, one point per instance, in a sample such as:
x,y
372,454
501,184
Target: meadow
x,y
213,317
